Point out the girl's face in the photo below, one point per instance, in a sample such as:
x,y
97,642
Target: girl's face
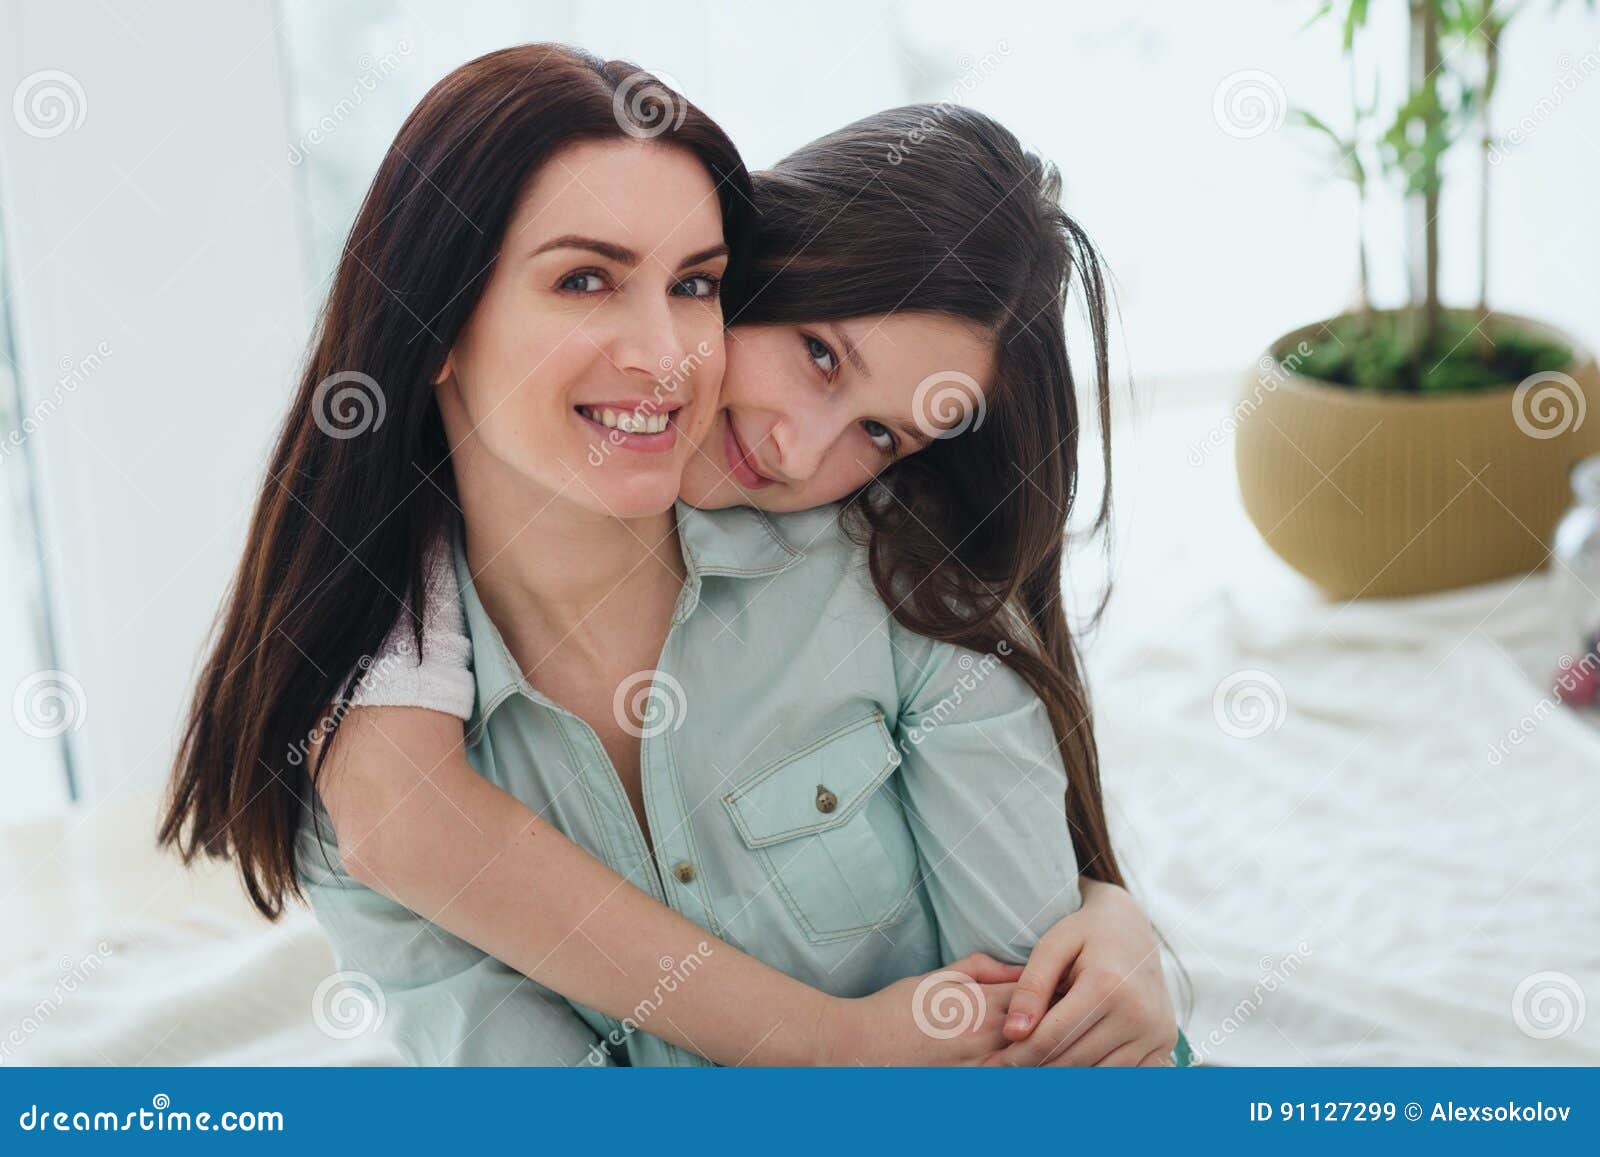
x,y
810,413
590,365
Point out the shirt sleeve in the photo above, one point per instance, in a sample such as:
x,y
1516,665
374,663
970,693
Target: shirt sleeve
x,y
985,793
443,1001
440,678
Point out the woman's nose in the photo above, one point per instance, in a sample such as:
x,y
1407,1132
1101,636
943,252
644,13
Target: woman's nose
x,y
649,342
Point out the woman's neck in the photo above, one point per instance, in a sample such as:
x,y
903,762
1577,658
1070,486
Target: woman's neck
x,y
558,578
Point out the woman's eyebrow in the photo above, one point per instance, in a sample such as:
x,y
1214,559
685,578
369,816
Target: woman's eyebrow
x,y
621,254
703,255
609,250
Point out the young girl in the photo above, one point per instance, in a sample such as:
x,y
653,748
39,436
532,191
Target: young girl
x,y
905,847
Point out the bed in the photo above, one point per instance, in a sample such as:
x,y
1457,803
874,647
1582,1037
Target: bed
x,y
1307,796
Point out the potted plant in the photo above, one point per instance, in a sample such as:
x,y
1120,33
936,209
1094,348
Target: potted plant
x,y
1402,450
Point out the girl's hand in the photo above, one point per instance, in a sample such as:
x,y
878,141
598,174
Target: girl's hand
x,y
1116,1010
949,1017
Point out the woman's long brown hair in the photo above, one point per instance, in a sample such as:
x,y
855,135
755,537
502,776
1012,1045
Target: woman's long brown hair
x,y
359,481
939,209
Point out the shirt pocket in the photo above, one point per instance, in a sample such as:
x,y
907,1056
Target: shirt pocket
x,y
831,833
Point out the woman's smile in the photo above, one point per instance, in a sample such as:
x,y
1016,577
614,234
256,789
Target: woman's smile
x,y
646,426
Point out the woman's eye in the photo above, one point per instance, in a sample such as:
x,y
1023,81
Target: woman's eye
x,y
882,437
701,285
821,354
587,281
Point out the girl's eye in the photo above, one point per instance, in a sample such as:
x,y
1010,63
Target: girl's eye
x,y
585,281
820,353
701,285
882,437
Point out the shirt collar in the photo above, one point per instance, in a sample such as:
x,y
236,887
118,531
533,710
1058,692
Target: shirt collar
x,y
738,542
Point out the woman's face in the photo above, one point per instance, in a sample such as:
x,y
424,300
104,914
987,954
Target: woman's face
x,y
589,367
809,413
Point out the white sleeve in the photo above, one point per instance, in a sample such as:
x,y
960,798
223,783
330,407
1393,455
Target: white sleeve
x,y
441,677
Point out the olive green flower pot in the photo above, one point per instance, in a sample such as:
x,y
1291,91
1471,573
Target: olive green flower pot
x,y
1371,494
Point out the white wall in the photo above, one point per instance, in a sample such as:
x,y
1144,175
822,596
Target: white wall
x,y
160,231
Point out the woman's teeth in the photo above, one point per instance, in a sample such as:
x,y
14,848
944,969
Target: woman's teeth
x,y
622,420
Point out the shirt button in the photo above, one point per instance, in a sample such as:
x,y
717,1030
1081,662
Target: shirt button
x,y
684,870
826,800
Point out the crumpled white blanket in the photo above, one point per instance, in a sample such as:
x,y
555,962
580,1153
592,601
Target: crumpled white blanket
x,y
1325,813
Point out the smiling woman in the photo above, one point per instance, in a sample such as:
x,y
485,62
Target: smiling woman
x,y
608,279
424,294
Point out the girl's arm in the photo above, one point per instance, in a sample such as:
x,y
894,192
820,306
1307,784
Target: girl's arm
x,y
414,821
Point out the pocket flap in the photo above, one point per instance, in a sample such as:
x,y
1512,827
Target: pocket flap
x,y
815,789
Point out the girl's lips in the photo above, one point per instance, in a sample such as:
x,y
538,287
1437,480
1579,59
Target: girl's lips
x,y
739,458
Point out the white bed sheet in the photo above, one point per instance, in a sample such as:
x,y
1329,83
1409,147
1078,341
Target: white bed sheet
x,y
1379,876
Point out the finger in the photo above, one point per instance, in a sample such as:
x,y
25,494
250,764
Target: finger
x,y
1052,1037
1085,1005
985,969
1127,1056
1159,1058
1047,965
1094,1046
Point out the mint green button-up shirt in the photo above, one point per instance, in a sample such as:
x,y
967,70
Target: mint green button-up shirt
x,y
841,798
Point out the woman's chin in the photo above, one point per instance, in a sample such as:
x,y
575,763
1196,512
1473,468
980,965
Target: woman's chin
x,y
636,494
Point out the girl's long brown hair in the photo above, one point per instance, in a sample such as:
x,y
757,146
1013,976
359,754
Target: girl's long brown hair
x,y
359,481
939,209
